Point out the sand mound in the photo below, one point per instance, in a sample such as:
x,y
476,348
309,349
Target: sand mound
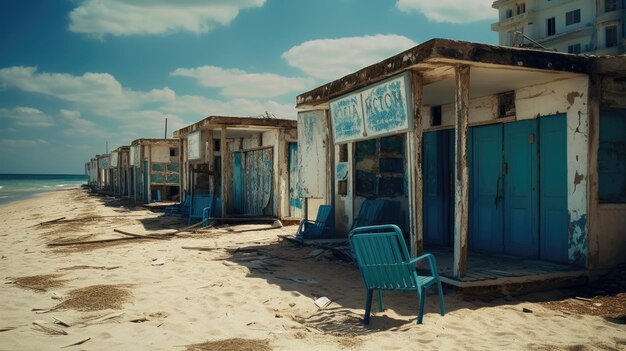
x,y
96,298
235,344
39,282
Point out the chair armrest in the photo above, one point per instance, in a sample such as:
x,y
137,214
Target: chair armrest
x,y
431,262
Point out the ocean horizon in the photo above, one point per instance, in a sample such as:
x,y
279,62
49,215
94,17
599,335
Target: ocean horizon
x,y
15,187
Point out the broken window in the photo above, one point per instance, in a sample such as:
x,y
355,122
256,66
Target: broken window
x,y
610,5
173,152
509,13
521,8
435,116
572,17
551,26
611,36
506,104
380,167
573,49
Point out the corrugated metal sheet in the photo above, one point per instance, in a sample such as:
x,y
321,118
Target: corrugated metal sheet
x,y
258,180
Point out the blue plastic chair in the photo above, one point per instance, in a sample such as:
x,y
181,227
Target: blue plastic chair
x,y
385,264
319,228
180,210
377,212
198,203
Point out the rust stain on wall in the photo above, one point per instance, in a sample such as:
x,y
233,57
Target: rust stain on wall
x,y
572,96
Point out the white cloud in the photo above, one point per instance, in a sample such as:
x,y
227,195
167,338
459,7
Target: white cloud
x,y
27,117
238,83
21,143
453,11
334,58
99,106
146,17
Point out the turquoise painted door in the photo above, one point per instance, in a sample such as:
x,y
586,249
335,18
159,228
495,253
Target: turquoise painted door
x,y
146,186
238,184
437,194
295,201
553,216
520,189
486,192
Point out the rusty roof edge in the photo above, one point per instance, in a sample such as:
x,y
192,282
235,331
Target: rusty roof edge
x,y
449,49
234,121
143,141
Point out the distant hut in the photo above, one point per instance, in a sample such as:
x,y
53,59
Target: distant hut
x,y
154,169
120,164
248,165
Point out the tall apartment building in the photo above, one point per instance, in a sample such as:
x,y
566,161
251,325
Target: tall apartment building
x,y
575,26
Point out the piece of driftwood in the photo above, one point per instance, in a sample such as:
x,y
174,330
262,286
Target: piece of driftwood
x,y
200,248
102,319
49,328
69,243
146,236
59,321
52,221
81,341
3,329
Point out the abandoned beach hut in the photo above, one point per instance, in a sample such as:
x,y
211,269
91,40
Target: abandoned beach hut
x,y
508,164
120,164
92,172
103,172
246,166
154,170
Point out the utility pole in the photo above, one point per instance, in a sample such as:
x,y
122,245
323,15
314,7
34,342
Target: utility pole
x,y
107,147
165,127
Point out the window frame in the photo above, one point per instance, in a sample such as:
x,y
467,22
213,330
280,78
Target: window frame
x,y
550,26
572,17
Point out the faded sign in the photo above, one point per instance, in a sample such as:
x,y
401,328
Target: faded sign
x,y
134,155
380,109
385,107
193,146
347,115
114,159
341,170
104,162
160,153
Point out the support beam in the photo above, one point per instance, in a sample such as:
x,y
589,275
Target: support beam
x,y
224,155
416,177
461,177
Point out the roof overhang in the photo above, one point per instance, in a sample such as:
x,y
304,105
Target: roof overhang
x,y
237,127
436,59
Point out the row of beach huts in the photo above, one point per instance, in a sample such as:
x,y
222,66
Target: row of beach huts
x,y
508,164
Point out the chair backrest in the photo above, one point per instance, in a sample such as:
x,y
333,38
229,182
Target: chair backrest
x,y
369,213
198,203
382,256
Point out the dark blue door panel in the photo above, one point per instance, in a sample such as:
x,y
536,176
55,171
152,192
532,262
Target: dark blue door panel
x,y
520,189
486,210
437,195
553,221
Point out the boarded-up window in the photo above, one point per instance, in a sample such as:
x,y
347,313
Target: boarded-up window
x,y
380,167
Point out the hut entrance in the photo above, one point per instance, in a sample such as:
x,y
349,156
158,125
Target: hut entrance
x,y
252,182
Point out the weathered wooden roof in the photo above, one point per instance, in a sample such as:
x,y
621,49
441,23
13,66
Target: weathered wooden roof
x,y
145,141
428,56
231,121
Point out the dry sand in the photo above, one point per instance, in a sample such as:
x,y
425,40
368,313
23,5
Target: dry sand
x,y
236,295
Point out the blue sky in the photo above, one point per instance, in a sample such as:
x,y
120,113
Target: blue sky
x,y
75,75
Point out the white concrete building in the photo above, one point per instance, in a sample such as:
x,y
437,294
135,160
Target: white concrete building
x,y
573,26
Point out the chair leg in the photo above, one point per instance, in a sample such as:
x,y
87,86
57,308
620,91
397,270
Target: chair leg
x,y
368,306
442,307
420,312
381,307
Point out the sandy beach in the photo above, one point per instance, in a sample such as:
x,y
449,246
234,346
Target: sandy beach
x,y
240,287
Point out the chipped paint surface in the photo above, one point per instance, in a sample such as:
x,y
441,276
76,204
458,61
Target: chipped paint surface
x,y
312,150
347,114
341,171
193,146
385,107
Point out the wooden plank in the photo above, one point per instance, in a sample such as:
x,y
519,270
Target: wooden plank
x,y
224,164
147,236
415,160
52,221
461,170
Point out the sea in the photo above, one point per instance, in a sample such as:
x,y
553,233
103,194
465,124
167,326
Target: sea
x,y
14,187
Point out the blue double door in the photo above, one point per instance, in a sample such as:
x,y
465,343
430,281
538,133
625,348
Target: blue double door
x,y
518,188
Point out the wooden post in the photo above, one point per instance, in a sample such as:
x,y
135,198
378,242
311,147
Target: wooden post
x,y
224,156
416,177
149,170
461,177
